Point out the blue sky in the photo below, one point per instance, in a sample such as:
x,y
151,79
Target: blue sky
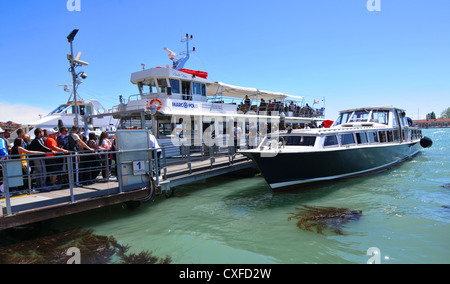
x,y
332,49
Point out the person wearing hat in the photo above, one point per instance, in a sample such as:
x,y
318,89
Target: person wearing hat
x,y
53,164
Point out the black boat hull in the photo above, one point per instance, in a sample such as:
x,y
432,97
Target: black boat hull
x,y
287,170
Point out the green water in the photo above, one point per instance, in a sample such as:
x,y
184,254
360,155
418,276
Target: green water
x,y
239,220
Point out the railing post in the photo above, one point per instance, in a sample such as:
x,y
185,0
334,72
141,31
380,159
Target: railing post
x,y
156,165
119,170
211,149
6,189
165,162
27,159
70,174
189,160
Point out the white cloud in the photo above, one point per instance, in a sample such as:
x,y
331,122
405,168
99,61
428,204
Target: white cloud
x,y
20,113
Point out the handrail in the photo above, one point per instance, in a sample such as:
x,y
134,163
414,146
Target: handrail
x,y
74,170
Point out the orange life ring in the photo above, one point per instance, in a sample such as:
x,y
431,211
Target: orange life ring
x,y
156,102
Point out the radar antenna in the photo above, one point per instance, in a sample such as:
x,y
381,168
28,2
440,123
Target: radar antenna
x,y
179,64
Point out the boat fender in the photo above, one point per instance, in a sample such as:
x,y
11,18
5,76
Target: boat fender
x,y
410,121
426,142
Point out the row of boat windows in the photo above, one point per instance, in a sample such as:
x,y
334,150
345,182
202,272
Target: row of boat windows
x,y
372,137
70,109
346,139
377,116
173,86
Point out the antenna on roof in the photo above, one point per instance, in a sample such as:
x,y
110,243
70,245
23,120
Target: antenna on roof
x,y
179,64
66,89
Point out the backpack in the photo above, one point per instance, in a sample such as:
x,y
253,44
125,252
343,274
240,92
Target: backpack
x,y
63,142
73,144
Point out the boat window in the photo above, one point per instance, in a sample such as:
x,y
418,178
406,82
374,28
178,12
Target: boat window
x,y
70,110
396,135
162,84
394,121
403,119
343,118
175,84
85,110
382,135
361,138
373,137
164,129
347,139
331,140
390,136
380,116
360,116
59,109
298,140
150,85
199,89
186,89
203,90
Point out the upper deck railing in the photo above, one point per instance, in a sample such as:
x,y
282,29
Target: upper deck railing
x,y
291,108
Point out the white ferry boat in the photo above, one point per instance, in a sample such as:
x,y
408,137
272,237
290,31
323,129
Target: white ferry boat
x,y
361,141
64,115
184,107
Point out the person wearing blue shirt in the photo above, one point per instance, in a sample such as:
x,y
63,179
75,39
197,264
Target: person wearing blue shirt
x,y
3,149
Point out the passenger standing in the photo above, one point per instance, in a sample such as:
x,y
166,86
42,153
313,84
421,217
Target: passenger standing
x,y
105,144
63,138
39,164
3,156
19,149
237,136
53,164
94,160
21,134
6,135
3,149
76,145
252,135
154,145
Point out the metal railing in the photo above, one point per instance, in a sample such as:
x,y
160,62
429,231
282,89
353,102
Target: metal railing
x,y
100,173
23,175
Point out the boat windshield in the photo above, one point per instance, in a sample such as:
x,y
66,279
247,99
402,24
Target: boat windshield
x,y
59,109
380,116
359,116
343,118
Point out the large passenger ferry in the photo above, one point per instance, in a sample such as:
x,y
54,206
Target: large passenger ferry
x,y
184,107
361,141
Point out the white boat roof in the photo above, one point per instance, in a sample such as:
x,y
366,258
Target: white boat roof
x,y
212,87
387,107
240,92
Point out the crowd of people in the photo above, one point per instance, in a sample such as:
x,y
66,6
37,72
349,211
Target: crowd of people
x,y
290,108
45,162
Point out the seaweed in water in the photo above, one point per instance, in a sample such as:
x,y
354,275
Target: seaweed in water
x,y
317,217
94,249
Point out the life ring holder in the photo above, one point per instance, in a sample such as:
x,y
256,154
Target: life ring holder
x,y
156,102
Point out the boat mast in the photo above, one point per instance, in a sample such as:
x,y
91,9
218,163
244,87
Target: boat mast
x,y
179,64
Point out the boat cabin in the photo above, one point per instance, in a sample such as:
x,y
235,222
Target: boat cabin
x,y
353,128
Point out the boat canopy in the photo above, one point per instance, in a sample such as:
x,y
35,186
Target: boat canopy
x,y
222,89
